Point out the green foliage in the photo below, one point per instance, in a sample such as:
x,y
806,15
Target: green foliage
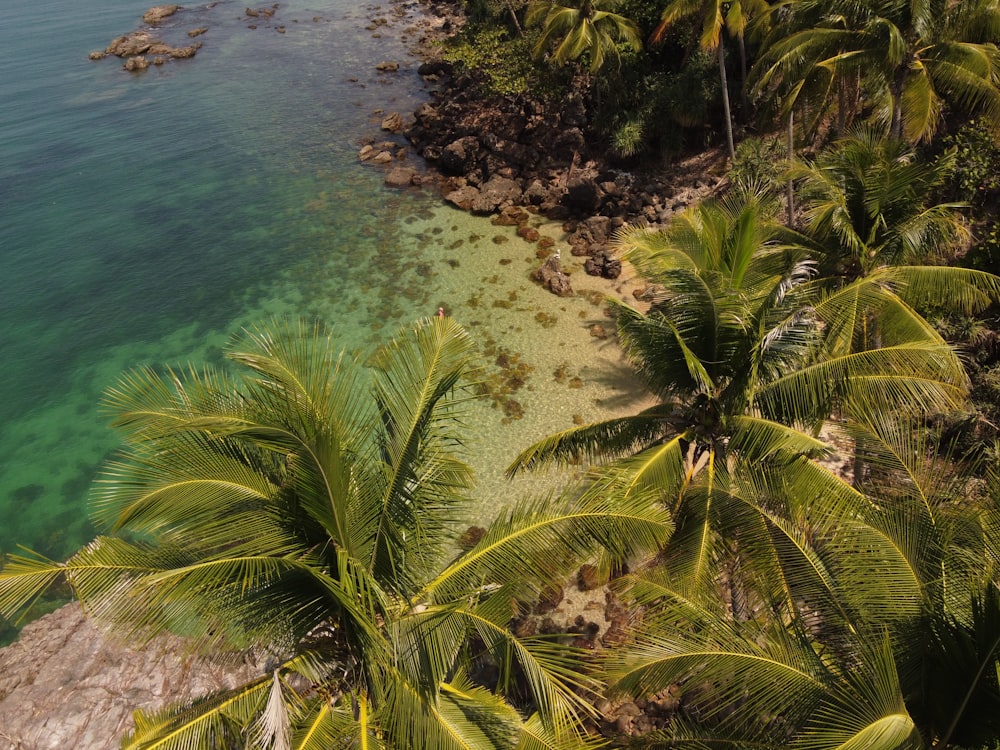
x,y
912,60
977,165
307,505
759,162
691,92
502,60
580,29
647,108
493,11
628,139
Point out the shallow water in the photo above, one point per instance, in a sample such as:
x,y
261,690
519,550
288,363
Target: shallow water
x,y
145,217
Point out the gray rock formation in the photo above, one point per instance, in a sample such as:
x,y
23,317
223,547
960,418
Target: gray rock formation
x,y
65,685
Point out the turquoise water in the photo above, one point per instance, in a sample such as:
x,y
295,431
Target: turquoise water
x,y
145,217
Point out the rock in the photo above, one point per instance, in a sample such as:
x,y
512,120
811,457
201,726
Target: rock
x,y
393,122
470,537
435,68
382,157
582,196
463,197
599,332
367,152
549,599
536,193
602,264
400,177
496,192
66,685
510,216
184,52
136,43
628,709
550,627
587,578
197,32
551,276
426,113
459,156
387,67
136,63
97,55
156,14
617,632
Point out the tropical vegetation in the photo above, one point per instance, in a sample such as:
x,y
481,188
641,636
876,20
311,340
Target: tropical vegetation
x,y
805,525
308,510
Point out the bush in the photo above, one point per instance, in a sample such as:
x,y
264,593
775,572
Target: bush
x,y
759,162
977,171
504,62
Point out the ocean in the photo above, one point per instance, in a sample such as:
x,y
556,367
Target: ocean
x,y
145,217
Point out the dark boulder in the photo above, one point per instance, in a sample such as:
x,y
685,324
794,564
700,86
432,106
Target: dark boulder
x,y
604,265
583,196
550,275
459,157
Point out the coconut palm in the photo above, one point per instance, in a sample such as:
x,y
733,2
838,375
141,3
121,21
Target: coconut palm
x,y
879,629
571,30
883,240
307,510
714,16
911,58
732,331
733,350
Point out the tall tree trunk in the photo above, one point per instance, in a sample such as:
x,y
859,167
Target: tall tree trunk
x,y
790,152
744,102
896,130
725,101
841,106
513,16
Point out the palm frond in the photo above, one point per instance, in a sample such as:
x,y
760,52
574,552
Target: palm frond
x,y
212,722
535,543
614,438
422,480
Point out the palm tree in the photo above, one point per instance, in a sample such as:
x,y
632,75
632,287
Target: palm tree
x,y
714,15
307,510
883,241
879,627
571,30
912,58
732,348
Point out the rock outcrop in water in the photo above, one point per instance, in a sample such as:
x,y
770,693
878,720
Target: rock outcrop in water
x,y
134,47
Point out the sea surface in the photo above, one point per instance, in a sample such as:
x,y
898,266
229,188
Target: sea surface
x,y
146,217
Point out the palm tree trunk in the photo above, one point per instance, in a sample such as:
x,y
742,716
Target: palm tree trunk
x,y
896,130
513,15
744,103
725,101
790,149
841,106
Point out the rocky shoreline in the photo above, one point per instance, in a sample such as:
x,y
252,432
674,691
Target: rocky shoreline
x,y
519,157
520,161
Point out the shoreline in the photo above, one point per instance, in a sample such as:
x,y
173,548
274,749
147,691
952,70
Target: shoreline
x,y
64,684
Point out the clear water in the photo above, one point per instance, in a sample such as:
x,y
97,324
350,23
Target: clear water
x,y
146,217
